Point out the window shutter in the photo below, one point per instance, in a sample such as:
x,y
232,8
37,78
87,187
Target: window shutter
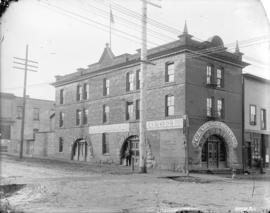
x,y
137,109
166,73
103,143
166,105
104,86
127,114
138,79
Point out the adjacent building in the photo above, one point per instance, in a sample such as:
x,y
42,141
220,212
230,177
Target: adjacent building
x,y
37,119
191,88
256,147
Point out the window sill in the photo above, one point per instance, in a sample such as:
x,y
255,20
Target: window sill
x,y
106,154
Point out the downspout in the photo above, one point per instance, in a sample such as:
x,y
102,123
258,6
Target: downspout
x,y
243,124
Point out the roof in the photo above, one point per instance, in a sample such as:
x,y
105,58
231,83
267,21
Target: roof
x,y
108,61
257,78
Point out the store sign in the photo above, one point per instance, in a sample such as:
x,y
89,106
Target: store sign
x,y
165,124
226,132
124,127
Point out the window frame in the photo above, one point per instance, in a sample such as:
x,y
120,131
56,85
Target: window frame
x,y
251,122
168,105
138,79
61,119
106,113
36,112
106,86
79,93
220,79
85,113
209,78
105,144
137,109
19,112
210,108
263,119
167,74
86,91
78,117
61,96
129,115
220,112
60,145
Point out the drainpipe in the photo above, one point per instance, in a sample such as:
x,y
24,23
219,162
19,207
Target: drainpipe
x,y
243,124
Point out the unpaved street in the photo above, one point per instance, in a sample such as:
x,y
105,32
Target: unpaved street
x,y
53,186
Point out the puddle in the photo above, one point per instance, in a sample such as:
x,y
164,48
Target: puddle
x,y
190,179
9,189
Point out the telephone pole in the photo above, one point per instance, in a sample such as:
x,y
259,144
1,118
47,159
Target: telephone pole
x,y
143,69
25,64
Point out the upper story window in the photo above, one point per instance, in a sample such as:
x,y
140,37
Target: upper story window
x,y
209,106
263,119
137,109
61,119
60,145
220,108
62,96
86,91
36,114
79,93
138,79
19,112
209,74
169,105
105,143
252,115
106,112
78,117
169,72
130,81
106,86
85,116
129,110
220,77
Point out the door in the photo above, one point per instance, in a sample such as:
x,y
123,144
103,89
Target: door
x,y
135,150
212,154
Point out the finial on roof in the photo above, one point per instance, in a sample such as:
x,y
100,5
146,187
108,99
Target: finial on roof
x,y
185,28
237,50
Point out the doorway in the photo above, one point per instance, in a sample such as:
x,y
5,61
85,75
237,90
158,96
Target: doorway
x,y
79,150
131,146
214,153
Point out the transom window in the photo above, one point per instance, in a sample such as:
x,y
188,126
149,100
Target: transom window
x,y
252,115
169,100
169,75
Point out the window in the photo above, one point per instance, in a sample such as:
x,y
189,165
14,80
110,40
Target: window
x,y
106,86
85,91
169,75
79,92
137,109
209,74
129,111
220,77
34,132
138,79
220,108
263,119
78,117
209,107
60,145
85,116
36,114
169,105
19,112
130,81
61,119
252,115
61,96
106,112
105,143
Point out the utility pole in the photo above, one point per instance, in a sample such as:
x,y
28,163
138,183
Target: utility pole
x,y
26,63
143,70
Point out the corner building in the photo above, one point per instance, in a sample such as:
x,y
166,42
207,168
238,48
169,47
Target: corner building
x,y
193,94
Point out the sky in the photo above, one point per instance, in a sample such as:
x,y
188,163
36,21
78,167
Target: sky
x,y
64,35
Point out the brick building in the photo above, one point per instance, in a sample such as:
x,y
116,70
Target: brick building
x,y
256,120
97,108
36,120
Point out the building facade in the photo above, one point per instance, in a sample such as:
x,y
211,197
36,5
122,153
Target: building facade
x,y
256,120
37,119
190,89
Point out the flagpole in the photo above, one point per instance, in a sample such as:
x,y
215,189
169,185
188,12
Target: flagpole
x,y
110,26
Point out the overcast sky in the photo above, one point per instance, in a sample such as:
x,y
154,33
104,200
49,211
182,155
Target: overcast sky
x,y
64,35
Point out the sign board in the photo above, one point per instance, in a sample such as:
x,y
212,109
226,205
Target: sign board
x,y
165,124
124,127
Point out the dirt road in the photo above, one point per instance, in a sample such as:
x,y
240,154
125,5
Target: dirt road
x,y
53,186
